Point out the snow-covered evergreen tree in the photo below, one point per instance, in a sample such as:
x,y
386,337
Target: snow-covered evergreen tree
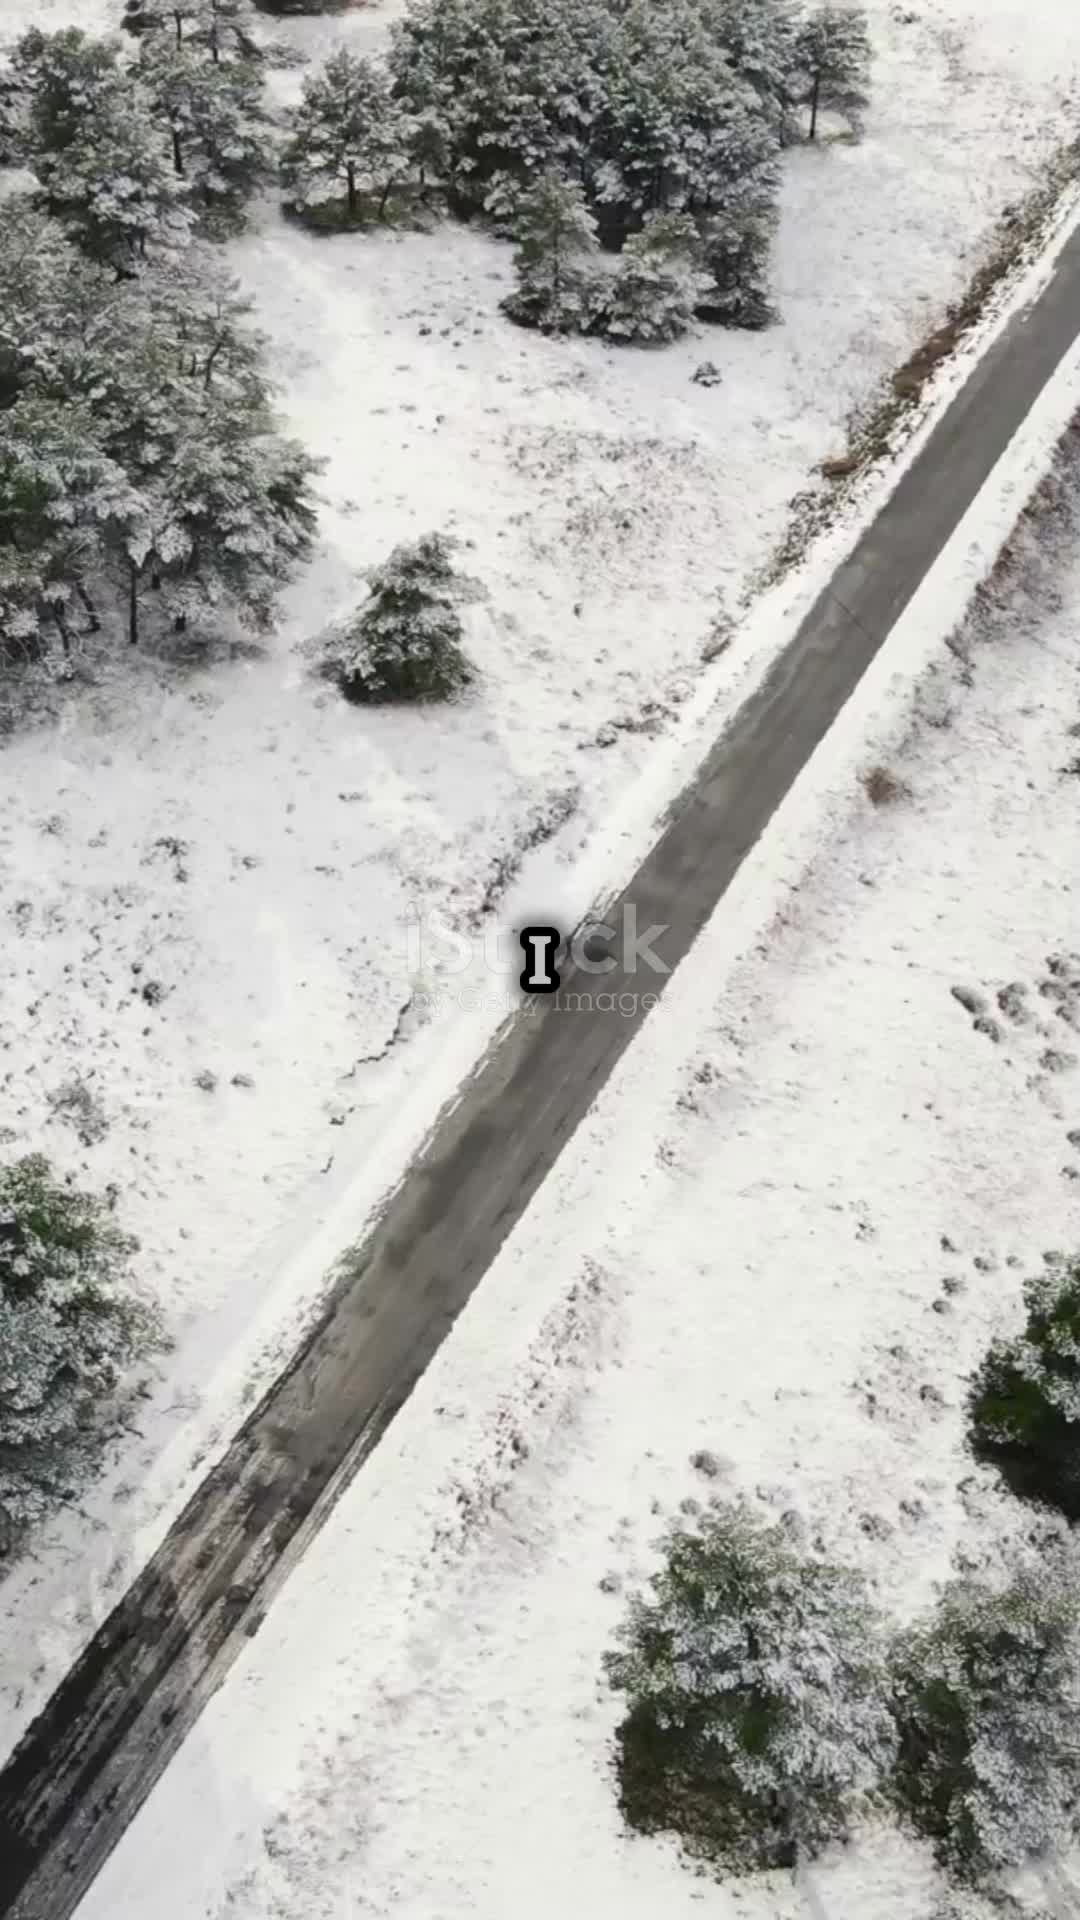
x,y
681,123
219,30
760,40
987,1700
229,518
70,1329
349,137
220,508
1024,1404
737,238
217,123
834,55
66,80
659,282
557,288
158,387
405,641
514,85
58,491
115,186
757,1715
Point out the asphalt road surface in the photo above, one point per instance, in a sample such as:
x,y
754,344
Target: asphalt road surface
x,y
90,1759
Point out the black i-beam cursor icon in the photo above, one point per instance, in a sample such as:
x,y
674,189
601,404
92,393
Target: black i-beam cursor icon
x,y
540,945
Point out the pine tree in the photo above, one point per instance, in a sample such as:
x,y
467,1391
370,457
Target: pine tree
x,y
760,39
405,642
70,1329
1024,1403
116,188
66,79
737,239
988,1705
217,123
219,29
58,489
348,135
659,281
514,85
557,285
834,54
231,515
756,1710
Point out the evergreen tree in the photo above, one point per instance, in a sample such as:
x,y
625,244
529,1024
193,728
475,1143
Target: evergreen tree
x,y
217,124
516,86
348,135
760,39
658,283
1024,1403
218,29
988,1705
66,80
231,516
57,492
681,122
737,240
756,1712
557,285
834,54
405,642
115,186
70,1328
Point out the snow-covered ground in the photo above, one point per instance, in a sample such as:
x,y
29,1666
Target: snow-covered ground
x,y
806,1200
238,837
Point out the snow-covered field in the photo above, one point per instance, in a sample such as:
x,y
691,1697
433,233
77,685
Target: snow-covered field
x,y
239,838
787,1232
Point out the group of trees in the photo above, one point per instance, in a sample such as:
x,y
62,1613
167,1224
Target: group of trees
x,y
138,447
650,130
769,1702
131,152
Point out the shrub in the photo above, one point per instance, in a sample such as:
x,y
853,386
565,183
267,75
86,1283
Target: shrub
x,y
405,642
987,1701
883,788
1024,1403
69,1328
757,1699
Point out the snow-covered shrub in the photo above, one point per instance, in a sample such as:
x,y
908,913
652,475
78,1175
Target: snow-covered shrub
x,y
987,1701
405,641
757,1696
833,55
558,289
658,283
349,138
1024,1403
70,1328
